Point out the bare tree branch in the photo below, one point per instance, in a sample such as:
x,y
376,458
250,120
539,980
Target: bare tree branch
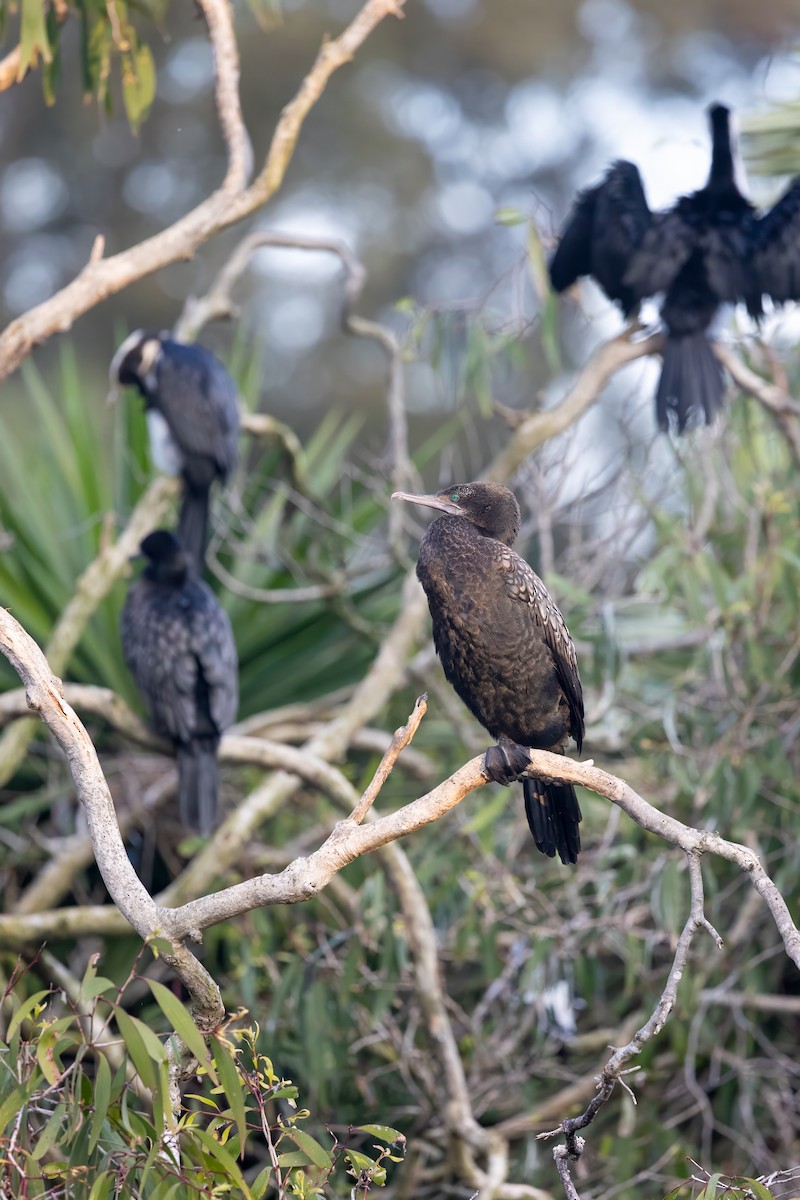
x,y
776,400
537,428
230,203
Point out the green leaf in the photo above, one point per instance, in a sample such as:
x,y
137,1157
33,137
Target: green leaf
x,y
232,1085
182,1023
102,1098
709,1192
225,1160
54,1126
138,84
13,1103
33,41
93,984
131,1030
509,217
315,1153
103,1186
259,1185
384,1132
25,1009
758,1189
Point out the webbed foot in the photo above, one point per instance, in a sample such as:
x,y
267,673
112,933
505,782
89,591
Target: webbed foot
x,y
506,762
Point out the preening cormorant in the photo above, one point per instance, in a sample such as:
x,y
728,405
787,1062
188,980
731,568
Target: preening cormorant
x,y
709,248
179,647
504,647
192,417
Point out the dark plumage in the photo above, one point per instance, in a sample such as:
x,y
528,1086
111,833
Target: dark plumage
x,y
179,647
504,647
192,416
696,253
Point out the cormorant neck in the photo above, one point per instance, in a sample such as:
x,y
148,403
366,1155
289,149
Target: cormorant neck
x,y
721,172
171,573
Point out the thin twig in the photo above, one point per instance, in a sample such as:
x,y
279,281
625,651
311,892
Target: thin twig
x,y
401,739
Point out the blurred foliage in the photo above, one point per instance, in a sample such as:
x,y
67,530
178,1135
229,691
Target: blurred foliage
x,y
772,138
113,53
85,1104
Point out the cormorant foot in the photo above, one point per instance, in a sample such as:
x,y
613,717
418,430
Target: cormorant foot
x,y
506,763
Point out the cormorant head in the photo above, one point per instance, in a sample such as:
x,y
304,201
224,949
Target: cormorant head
x,y
134,363
490,507
167,561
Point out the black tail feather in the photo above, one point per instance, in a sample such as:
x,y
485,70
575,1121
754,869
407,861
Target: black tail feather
x,y
193,523
197,784
553,815
692,382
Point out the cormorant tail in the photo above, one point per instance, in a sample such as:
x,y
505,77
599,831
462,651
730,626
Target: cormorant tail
x,y
553,815
197,784
692,382
193,523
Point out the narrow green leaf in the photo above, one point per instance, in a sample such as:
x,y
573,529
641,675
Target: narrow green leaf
x,y
33,41
232,1085
259,1185
13,1103
103,1186
182,1023
316,1153
51,1131
709,1192
138,84
759,1190
384,1132
24,1011
225,1160
129,1027
102,1098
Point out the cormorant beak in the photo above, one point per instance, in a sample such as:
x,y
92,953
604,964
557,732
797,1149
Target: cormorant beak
x,y
113,394
440,502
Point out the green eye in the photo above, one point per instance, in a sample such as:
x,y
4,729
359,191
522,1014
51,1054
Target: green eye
x,y
454,497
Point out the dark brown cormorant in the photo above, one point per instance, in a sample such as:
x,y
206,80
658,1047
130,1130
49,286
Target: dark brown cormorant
x,y
192,417
504,647
178,644
696,254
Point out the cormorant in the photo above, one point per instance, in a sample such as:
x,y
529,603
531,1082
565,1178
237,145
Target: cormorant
x,y
696,253
504,647
179,647
192,410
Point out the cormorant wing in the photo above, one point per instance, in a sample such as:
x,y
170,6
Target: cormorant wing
x,y
774,261
200,403
604,231
524,585
664,250
217,663
157,646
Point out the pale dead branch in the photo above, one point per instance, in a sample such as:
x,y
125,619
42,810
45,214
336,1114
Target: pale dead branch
x,y
229,204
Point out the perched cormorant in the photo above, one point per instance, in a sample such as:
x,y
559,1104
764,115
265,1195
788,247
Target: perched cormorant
x,y
504,647
179,647
696,254
192,417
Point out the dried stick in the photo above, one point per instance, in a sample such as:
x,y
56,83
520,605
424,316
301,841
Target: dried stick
x,y
229,204
401,739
